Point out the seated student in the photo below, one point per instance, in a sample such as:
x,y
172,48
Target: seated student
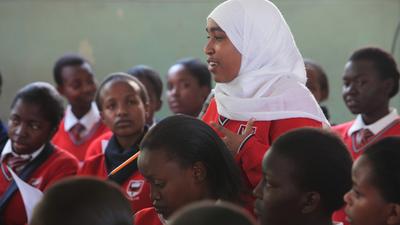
x,y
188,86
370,80
83,200
123,103
185,161
81,124
317,83
375,197
209,212
35,114
3,129
152,81
305,175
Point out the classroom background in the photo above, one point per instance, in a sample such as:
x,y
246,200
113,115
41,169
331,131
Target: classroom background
x,y
117,34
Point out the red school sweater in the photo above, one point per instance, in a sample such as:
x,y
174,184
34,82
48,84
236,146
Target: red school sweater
x,y
63,140
58,165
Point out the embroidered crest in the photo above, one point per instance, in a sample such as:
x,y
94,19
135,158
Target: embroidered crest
x,y
242,128
134,188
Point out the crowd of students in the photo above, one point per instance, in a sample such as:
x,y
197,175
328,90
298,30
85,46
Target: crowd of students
x,y
257,146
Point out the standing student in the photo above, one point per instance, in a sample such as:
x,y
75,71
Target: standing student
x,y
151,79
185,161
317,83
305,175
188,85
83,200
81,123
370,80
35,114
375,197
260,79
123,103
3,129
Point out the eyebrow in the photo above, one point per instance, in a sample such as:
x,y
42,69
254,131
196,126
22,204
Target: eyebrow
x,y
214,29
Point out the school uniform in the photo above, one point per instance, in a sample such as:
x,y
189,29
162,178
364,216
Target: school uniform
x,y
91,128
357,139
48,164
98,146
132,183
148,216
253,148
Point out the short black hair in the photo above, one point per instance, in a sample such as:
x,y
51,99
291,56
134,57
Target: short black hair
x,y
46,97
384,156
197,69
384,63
83,200
120,76
188,140
322,77
149,74
69,59
322,162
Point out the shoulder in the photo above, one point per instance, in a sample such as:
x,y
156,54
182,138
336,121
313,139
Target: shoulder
x,y
147,216
343,127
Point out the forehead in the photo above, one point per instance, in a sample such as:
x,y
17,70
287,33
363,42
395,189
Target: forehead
x,y
277,163
156,162
212,26
361,67
362,169
76,72
28,110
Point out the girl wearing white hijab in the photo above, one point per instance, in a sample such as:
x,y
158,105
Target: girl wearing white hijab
x,y
260,79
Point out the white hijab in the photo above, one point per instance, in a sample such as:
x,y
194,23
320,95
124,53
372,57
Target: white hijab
x,y
271,81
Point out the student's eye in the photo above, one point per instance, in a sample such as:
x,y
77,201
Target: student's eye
x,y
186,85
132,102
159,184
110,106
14,121
35,126
357,194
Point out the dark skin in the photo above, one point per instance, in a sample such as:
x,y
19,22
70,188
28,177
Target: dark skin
x,y
365,92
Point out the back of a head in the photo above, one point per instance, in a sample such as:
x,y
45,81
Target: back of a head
x,y
384,156
212,213
143,72
322,164
189,140
83,200
321,77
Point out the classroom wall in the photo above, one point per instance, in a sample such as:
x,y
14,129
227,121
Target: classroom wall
x,y
117,34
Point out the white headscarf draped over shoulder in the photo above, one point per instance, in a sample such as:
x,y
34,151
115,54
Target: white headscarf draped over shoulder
x,y
271,80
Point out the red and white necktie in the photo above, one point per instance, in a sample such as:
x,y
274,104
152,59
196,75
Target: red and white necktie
x,y
76,133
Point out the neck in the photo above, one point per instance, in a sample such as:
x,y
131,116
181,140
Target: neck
x,y
127,142
80,111
370,118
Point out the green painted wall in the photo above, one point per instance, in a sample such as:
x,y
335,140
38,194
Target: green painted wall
x,y
117,34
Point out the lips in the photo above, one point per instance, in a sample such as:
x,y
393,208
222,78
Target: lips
x,y
212,64
123,123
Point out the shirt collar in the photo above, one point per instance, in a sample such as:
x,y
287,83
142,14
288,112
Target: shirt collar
x,y
375,127
89,120
8,149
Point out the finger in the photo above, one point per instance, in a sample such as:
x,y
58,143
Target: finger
x,y
249,127
226,132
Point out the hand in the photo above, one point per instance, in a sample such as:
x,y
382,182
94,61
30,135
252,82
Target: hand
x,y
232,139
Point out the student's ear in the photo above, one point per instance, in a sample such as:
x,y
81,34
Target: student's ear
x,y
146,111
205,91
310,202
60,89
199,172
389,85
394,214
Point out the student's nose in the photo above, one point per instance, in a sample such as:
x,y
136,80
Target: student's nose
x,y
257,192
208,48
122,110
347,198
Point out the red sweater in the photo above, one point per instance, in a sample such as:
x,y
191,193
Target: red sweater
x,y
63,140
95,148
57,166
250,155
393,129
135,188
147,216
